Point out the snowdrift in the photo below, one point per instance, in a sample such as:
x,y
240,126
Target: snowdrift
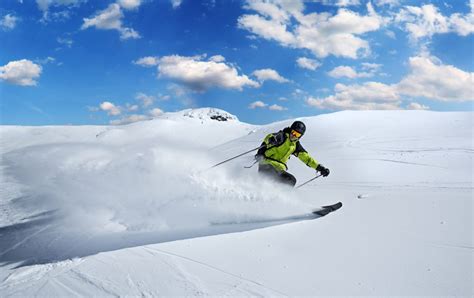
x,y
75,195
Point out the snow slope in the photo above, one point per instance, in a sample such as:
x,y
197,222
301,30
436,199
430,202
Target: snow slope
x,y
131,210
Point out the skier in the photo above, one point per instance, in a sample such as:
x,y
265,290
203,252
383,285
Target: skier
x,y
278,147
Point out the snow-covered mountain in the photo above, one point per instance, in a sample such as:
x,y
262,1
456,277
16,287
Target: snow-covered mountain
x,y
206,114
131,210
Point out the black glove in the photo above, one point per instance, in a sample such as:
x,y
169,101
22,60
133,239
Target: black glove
x,y
324,171
276,139
272,140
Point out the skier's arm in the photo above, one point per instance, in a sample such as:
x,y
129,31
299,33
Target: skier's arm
x,y
304,156
264,146
270,140
267,140
308,160
274,139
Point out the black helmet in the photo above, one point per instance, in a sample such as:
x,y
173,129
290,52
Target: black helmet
x,y
299,127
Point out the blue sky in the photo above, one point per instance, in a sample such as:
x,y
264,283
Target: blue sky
x,y
101,62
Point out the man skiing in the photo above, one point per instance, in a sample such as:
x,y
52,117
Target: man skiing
x,y
276,150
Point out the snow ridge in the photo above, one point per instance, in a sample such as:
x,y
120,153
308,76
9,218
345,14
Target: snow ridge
x,y
204,114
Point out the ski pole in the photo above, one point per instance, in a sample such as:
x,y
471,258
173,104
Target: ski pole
x,y
309,181
222,162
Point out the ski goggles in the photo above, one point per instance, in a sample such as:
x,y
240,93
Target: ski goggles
x,y
295,134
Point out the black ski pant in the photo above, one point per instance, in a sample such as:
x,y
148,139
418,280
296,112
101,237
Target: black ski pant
x,y
272,173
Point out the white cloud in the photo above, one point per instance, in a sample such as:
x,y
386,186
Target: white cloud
x,y
373,67
201,75
261,105
147,61
347,2
115,110
340,3
129,4
176,3
110,19
47,60
110,108
390,34
146,100
45,6
428,78
368,92
307,63
334,104
417,106
269,75
423,21
349,72
21,72
217,58
8,22
463,24
268,29
276,107
178,90
131,108
155,112
269,10
324,34
431,79
391,3
129,119
427,20
257,104
343,71
129,33
337,35
65,41
298,93
368,96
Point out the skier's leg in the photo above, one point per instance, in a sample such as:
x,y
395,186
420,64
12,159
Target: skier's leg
x,y
268,171
272,173
288,179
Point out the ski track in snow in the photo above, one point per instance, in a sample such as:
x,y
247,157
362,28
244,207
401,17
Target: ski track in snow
x,y
124,189
37,276
216,269
453,246
402,162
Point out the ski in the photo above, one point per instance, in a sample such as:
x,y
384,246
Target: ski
x,y
317,213
325,210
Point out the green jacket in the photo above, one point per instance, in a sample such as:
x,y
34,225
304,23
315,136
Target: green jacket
x,y
278,155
